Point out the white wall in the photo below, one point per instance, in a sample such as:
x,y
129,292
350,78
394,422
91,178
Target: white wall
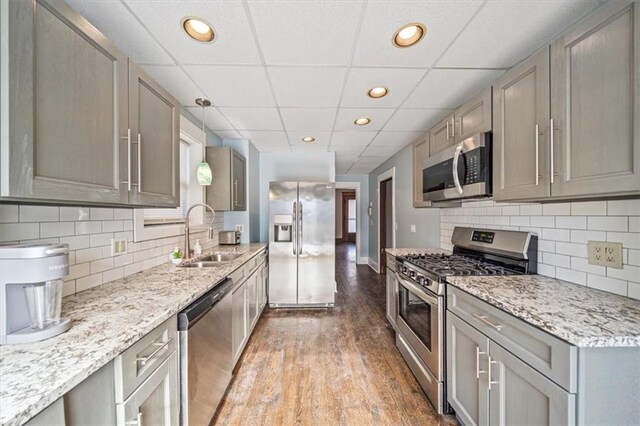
x,y
293,166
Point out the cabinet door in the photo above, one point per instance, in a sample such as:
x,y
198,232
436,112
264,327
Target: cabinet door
x,y
474,116
441,135
467,359
521,131
392,297
156,401
66,109
239,320
238,184
595,105
520,395
154,157
53,415
420,153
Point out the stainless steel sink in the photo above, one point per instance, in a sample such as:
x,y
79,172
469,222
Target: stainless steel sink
x,y
203,264
221,257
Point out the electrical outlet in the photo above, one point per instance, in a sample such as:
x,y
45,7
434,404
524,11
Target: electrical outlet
x,y
603,253
413,229
118,247
240,228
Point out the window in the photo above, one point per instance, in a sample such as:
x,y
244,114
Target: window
x,y
153,217
351,217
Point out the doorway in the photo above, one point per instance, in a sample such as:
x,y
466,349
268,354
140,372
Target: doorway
x,y
349,217
356,218
387,216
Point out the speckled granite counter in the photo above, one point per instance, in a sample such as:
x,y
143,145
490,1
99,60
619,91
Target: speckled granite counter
x,y
405,251
582,316
106,320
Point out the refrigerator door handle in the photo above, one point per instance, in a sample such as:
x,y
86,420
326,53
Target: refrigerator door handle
x,y
301,241
294,228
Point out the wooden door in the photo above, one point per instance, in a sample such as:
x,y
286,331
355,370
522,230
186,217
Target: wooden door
x,y
521,131
442,136
474,116
238,182
67,107
520,395
420,153
595,104
382,255
154,119
467,358
346,235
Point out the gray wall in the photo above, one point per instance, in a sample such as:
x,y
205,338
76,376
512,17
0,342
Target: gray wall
x,y
212,138
427,220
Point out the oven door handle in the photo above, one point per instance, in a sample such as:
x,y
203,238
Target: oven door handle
x,y
432,300
456,157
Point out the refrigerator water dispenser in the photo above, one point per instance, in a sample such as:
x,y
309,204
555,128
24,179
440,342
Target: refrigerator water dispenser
x,y
282,228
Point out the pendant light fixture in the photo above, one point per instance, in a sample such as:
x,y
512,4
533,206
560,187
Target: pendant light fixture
x,y
203,173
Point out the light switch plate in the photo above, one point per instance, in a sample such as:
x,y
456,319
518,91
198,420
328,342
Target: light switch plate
x,y
413,229
603,253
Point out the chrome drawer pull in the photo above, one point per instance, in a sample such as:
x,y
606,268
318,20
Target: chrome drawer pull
x,y
161,345
484,319
491,381
478,371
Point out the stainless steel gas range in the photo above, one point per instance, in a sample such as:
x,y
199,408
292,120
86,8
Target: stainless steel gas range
x,y
422,296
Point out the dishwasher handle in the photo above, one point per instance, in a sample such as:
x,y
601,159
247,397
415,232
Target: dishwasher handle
x,y
196,310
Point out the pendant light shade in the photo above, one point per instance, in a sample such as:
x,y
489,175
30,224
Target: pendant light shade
x,y
204,174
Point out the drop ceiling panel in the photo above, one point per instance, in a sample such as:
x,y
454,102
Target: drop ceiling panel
x,y
347,150
121,27
213,119
505,32
307,86
361,170
443,19
228,134
266,138
273,148
347,116
370,161
233,85
308,119
415,120
398,139
322,139
306,32
386,151
253,118
309,149
399,81
342,168
176,82
346,139
234,43
449,88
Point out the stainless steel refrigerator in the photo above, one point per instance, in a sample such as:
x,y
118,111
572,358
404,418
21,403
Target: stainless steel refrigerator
x,y
301,244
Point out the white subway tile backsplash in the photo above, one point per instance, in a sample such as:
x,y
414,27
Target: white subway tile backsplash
x,y
88,255
99,213
39,214
113,274
519,220
88,227
19,231
628,239
623,207
74,213
122,214
589,208
556,234
101,265
99,240
556,209
547,270
576,277
76,242
531,209
609,223
571,222
511,211
112,226
9,213
88,282
582,264
634,224
628,272
68,288
584,237
57,229
556,259
543,221
607,284
633,257
571,249
634,290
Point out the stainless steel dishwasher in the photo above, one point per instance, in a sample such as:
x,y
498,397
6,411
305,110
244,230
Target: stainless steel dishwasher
x,y
206,354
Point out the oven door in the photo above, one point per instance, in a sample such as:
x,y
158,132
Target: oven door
x,y
419,321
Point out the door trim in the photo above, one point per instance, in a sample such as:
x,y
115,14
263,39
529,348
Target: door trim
x,y
389,174
360,259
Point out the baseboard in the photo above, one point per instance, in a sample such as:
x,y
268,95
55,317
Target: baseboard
x,y
374,265
362,260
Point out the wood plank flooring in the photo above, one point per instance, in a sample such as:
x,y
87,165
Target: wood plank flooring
x,y
335,366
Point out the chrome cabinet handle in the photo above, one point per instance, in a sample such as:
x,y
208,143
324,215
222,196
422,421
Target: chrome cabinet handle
x,y
551,143
235,191
294,228
537,157
301,242
447,129
161,345
128,138
478,353
456,157
484,319
491,381
453,127
139,163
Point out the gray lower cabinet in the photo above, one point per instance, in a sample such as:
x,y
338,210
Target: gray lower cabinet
x,y
239,320
53,415
228,189
442,136
392,297
474,116
153,144
595,105
521,131
420,153
467,386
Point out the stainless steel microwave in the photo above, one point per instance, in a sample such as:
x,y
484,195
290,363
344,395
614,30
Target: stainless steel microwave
x,y
462,171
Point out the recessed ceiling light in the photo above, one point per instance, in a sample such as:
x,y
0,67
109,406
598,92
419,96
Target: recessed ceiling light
x,y
378,92
198,29
362,121
309,139
409,34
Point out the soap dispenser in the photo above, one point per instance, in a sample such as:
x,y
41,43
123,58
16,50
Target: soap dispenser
x,y
197,248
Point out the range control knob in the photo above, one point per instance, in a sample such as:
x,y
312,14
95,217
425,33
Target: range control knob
x,y
412,274
421,279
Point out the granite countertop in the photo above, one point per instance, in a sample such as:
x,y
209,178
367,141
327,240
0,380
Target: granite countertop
x,y
106,320
405,251
582,316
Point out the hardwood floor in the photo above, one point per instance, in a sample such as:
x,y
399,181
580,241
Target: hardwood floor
x,y
328,366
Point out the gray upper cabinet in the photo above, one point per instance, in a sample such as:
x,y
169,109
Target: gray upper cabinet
x,y
154,145
228,190
442,135
595,104
521,130
420,153
66,108
474,116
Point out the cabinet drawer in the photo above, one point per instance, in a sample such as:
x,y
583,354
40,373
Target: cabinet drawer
x,y
391,262
136,364
549,355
